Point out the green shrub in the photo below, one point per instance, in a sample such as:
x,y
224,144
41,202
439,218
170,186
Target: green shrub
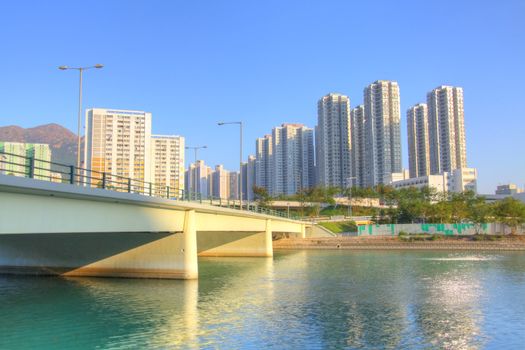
x,y
491,238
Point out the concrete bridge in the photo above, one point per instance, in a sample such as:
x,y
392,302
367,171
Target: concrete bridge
x,y
63,229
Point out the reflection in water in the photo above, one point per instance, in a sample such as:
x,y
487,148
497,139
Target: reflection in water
x,y
298,299
447,307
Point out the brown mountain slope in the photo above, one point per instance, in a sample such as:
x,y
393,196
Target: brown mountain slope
x,y
61,140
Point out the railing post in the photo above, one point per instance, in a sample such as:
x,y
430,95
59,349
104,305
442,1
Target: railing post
x,y
31,167
150,189
104,180
72,174
129,185
168,192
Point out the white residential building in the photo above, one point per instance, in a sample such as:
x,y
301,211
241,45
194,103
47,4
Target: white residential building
x,y
333,144
418,146
284,163
382,131
293,159
357,126
233,179
446,129
198,180
118,143
264,162
248,178
167,154
220,183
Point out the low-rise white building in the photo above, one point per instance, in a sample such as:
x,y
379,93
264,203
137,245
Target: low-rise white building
x,y
463,179
394,177
508,189
458,180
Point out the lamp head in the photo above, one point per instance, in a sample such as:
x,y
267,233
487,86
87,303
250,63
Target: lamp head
x,y
98,65
63,67
220,123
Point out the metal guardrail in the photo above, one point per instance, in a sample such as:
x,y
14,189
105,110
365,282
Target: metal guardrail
x,y
30,167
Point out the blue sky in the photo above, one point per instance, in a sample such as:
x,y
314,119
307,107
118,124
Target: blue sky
x,y
267,62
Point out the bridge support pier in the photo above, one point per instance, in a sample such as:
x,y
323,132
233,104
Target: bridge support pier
x,y
237,243
189,251
268,238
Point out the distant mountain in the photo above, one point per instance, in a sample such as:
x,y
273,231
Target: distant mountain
x,y
62,141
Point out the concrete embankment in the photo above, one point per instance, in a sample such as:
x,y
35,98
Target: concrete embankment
x,y
394,243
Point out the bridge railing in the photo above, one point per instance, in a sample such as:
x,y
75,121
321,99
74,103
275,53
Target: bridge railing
x,y
40,169
248,205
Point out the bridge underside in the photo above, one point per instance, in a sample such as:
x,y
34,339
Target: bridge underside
x,y
122,235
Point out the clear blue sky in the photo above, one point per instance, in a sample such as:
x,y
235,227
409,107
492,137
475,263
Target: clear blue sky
x,y
267,62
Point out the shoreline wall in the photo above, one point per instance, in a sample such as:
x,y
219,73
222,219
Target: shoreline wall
x,y
444,229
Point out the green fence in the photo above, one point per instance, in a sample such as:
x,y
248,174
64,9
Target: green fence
x,y
444,229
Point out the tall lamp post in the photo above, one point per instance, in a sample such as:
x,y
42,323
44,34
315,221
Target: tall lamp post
x,y
80,70
240,157
195,150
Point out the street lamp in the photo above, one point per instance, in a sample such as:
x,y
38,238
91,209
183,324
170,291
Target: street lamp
x,y
80,70
195,149
240,157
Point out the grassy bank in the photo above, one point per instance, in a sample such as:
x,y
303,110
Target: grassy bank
x,y
340,226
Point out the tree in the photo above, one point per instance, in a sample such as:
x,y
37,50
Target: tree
x,y
478,212
458,206
510,212
262,197
316,196
412,204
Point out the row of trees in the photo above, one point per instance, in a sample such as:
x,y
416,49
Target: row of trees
x,y
411,205
426,205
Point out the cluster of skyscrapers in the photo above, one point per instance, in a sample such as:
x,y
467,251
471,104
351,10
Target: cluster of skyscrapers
x,y
358,146
361,146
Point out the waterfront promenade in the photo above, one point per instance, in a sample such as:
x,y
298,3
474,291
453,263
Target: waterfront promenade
x,y
516,243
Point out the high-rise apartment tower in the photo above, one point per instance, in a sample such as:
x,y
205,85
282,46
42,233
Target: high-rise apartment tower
x,y
418,145
446,124
382,131
118,142
357,126
167,154
333,145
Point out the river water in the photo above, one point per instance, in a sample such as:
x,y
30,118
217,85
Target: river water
x,y
297,300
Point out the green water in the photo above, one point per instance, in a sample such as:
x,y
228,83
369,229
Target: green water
x,y
297,300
